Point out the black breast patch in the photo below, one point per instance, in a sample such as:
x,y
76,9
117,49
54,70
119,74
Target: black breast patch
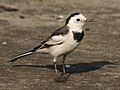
x,y
78,36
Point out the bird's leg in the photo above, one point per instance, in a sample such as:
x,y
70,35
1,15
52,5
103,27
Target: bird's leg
x,y
55,65
63,60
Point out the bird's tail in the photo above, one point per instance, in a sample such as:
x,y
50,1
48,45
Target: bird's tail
x,y
27,53
23,55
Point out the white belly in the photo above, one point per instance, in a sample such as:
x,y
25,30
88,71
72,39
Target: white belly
x,y
68,46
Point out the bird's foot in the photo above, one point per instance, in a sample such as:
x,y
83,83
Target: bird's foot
x,y
62,78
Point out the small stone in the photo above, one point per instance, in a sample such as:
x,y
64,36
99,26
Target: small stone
x,y
115,33
60,17
4,43
22,17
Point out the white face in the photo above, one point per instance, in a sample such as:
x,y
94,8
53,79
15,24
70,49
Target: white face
x,y
77,21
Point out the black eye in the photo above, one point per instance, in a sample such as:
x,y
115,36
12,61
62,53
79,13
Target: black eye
x,y
78,19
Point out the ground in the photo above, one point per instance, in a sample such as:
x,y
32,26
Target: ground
x,y
94,65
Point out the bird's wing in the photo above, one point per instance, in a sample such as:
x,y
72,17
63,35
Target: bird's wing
x,y
55,38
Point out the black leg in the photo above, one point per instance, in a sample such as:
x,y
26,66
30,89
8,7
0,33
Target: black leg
x,y
63,60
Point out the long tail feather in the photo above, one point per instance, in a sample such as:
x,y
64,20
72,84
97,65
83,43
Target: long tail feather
x,y
26,53
22,55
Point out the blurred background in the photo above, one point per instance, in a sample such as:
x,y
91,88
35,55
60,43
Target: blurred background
x,y
25,23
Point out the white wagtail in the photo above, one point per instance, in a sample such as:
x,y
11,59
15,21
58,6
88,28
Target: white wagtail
x,y
61,42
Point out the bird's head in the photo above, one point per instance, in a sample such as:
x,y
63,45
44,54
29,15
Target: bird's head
x,y
76,20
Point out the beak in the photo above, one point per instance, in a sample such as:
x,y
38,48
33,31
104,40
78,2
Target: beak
x,y
89,20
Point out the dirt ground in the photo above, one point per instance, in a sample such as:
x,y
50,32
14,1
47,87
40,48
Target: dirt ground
x,y
95,64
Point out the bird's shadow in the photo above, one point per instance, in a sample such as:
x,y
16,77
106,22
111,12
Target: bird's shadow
x,y
73,68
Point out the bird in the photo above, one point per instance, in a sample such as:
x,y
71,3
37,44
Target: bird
x,y
62,41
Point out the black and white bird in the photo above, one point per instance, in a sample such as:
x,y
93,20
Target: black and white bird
x,y
61,42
